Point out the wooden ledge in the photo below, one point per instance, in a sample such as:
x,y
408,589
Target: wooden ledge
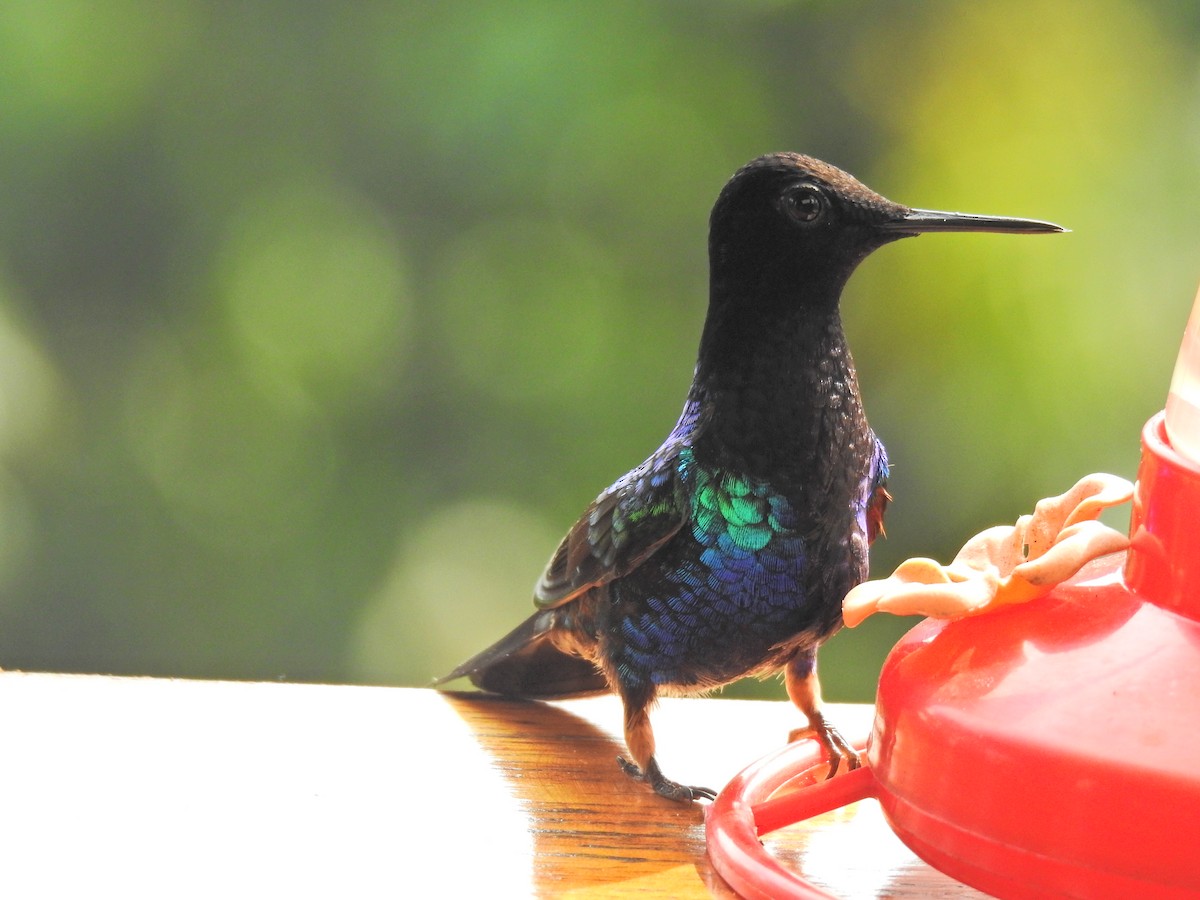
x,y
169,788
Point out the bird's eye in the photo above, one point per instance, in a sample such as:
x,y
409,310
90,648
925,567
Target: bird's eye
x,y
805,204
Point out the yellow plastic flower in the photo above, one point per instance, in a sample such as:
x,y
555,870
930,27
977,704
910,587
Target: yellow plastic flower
x,y
1003,565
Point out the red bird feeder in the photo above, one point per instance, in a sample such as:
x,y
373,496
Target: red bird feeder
x,y
1047,748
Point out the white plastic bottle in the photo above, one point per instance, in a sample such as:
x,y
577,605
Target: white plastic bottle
x,y
1183,399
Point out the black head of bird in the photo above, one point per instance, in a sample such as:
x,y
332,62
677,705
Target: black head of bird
x,y
728,551
788,227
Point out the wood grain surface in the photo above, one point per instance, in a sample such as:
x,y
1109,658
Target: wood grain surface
x,y
141,787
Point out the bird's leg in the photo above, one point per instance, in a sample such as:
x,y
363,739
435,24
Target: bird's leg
x,y
805,691
639,738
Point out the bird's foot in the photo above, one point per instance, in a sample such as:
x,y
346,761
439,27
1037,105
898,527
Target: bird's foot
x,y
837,748
662,785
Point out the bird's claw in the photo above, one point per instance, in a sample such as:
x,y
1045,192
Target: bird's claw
x,y
836,747
662,785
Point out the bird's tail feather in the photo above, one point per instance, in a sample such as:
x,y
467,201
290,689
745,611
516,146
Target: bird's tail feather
x,y
526,663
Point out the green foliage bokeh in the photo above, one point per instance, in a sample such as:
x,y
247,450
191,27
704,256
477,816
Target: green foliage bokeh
x,y
320,323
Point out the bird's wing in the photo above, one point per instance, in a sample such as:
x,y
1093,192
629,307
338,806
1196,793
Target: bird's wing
x,y
622,527
876,495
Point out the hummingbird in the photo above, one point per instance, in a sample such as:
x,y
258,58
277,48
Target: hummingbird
x,y
727,553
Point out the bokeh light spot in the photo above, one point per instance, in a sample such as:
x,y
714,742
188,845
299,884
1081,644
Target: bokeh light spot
x,y
316,291
30,388
530,310
59,58
463,580
235,470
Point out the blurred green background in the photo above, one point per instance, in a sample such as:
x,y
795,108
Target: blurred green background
x,y
320,323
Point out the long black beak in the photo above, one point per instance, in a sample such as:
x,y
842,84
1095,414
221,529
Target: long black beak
x,y
917,221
